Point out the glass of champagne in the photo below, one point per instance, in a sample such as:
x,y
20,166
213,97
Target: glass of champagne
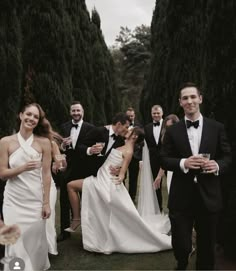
x,y
100,145
206,157
37,157
8,236
61,158
68,142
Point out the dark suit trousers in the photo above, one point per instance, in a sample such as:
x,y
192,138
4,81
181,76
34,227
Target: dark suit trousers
x,y
205,225
64,203
133,177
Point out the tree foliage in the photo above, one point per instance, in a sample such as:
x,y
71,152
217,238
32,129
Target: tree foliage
x,y
131,57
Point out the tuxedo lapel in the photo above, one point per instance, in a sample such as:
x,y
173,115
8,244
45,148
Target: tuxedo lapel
x,y
204,137
183,138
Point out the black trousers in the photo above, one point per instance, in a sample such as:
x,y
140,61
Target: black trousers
x,y
65,209
205,224
133,177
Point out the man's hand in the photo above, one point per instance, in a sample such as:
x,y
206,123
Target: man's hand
x,y
114,170
193,162
210,166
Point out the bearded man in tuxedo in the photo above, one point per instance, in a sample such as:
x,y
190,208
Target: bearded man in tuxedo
x,y
195,193
74,132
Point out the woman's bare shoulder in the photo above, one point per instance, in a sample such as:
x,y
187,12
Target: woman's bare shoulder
x,y
8,139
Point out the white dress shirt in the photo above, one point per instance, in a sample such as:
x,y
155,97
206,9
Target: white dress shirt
x,y
74,133
157,131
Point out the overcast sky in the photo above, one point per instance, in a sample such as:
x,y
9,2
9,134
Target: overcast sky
x,y
116,13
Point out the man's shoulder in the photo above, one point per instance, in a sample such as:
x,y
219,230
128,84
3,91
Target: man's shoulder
x,y
87,124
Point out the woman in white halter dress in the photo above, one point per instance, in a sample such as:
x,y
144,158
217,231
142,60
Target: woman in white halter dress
x,y
25,163
109,219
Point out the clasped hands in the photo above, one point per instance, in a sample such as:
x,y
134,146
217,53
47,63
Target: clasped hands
x,y
199,162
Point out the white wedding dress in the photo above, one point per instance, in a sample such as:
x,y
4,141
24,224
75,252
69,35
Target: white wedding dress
x,y
23,198
111,223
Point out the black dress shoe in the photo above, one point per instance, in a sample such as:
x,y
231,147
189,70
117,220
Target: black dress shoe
x,y
63,236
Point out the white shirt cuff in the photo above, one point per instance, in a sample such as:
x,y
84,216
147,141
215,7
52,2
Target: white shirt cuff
x,y
88,151
181,164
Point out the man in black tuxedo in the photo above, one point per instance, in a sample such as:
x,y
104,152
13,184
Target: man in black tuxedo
x,y
153,139
73,131
112,135
195,193
137,156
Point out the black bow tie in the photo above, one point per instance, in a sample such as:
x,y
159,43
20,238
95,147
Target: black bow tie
x,y
75,125
195,124
156,123
114,136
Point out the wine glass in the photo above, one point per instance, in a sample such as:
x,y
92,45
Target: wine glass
x,y
206,157
60,158
8,236
37,157
68,142
100,145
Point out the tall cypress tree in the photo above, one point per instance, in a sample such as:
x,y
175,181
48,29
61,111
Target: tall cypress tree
x,y
48,52
10,66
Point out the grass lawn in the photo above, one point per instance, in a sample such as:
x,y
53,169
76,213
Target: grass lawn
x,y
72,256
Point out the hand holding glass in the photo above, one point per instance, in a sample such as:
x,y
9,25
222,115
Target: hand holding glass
x,y
100,146
61,160
37,158
206,157
68,142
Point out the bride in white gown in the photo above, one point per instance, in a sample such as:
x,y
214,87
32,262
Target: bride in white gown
x,y
110,221
25,164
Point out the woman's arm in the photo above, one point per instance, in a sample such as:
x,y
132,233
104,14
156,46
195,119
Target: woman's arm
x,y
46,175
6,172
126,161
59,162
159,176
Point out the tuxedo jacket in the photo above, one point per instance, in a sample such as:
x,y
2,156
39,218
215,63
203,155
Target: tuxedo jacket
x,y
185,194
98,134
154,148
76,163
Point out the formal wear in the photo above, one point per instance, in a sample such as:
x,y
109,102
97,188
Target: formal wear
x,y
23,201
195,198
153,139
134,166
103,134
111,223
76,165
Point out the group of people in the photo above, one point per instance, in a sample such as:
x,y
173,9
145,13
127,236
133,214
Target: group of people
x,y
95,164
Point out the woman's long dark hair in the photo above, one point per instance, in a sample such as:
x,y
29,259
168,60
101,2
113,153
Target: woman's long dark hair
x,y
43,127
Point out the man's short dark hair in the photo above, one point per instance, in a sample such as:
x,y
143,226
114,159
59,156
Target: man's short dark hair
x,y
189,85
75,102
120,117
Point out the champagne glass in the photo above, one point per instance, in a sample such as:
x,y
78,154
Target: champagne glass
x,y
101,145
60,158
68,142
8,236
37,157
206,157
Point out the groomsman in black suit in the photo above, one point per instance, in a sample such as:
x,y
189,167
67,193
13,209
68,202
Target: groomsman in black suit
x,y
111,135
195,193
73,131
153,139
137,156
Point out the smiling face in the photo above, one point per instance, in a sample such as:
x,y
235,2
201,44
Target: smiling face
x,y
76,112
190,100
157,114
30,117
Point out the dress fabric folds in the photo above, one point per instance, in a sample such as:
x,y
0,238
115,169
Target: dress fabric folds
x,y
110,221
23,197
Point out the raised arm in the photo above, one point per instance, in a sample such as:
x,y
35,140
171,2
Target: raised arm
x,y
127,158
